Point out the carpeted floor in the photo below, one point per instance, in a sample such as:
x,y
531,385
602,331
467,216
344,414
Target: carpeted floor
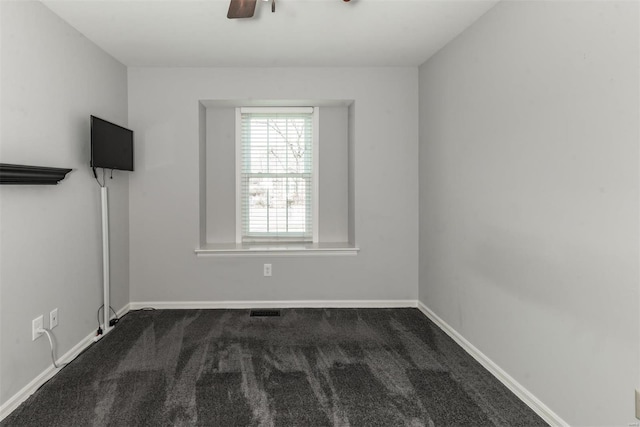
x,y
309,367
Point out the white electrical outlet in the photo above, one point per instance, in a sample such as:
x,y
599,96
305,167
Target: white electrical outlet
x,y
53,318
267,270
37,323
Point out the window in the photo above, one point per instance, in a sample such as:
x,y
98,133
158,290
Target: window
x,y
276,186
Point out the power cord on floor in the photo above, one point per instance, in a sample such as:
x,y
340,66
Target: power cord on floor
x,y
53,357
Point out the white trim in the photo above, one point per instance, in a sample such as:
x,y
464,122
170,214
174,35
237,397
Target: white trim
x,y
185,305
276,249
238,175
14,401
315,177
516,388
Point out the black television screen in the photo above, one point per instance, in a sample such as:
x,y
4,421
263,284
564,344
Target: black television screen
x,y
111,145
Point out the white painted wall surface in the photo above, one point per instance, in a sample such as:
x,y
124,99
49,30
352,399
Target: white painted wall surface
x,y
334,176
221,175
52,79
529,199
164,193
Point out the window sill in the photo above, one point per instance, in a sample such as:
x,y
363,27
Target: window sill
x,y
276,249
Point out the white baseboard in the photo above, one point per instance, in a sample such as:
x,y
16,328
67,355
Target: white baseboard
x,y
15,400
273,304
523,394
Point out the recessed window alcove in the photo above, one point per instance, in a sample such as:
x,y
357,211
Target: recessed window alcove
x,y
336,180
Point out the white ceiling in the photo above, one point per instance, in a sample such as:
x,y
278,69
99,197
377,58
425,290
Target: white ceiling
x,y
197,33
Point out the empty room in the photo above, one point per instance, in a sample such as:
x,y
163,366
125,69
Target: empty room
x,y
320,212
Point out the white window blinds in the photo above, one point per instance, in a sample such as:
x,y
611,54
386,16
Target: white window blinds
x,y
276,183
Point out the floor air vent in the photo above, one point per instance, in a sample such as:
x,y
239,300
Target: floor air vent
x,y
265,313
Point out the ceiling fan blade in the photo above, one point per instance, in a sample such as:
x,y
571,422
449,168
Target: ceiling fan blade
x,y
241,9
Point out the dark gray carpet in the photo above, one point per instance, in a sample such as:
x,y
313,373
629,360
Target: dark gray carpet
x,y
309,367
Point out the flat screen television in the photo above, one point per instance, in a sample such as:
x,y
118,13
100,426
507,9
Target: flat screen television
x,y
111,145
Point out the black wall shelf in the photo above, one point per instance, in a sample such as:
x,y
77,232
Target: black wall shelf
x,y
31,175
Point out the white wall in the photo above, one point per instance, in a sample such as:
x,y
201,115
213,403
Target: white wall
x,y
50,248
334,182
529,199
221,175
164,191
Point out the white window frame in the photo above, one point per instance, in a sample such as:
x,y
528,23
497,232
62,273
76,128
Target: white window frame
x,y
315,166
